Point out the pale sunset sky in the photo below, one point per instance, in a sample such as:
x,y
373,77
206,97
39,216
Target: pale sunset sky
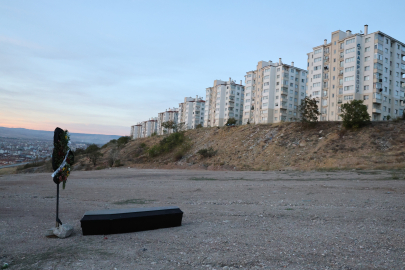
x,y
102,66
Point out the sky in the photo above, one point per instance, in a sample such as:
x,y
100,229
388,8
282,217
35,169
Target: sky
x,y
101,66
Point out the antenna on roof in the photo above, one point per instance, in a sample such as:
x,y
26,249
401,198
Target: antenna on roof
x,y
361,32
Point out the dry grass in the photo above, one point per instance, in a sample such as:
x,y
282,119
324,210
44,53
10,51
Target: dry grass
x,y
10,170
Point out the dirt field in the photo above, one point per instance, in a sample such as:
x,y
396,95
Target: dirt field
x,y
232,220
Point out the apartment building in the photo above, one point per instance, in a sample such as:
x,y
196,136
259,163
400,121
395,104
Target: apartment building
x,y
223,101
169,115
136,131
191,112
273,92
363,66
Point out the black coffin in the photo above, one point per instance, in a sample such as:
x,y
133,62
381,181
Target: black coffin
x,y
112,221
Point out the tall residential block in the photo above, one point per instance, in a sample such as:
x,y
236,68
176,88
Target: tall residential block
x,y
273,93
191,112
169,115
223,101
136,131
362,66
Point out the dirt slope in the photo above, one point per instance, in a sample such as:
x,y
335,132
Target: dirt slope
x,y
282,146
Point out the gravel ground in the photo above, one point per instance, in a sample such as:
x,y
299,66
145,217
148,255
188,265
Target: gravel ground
x,y
232,220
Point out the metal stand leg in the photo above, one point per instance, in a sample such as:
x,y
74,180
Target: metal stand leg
x,y
57,207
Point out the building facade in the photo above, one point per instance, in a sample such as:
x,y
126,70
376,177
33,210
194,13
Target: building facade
x,y
223,101
136,131
191,112
172,114
273,93
368,67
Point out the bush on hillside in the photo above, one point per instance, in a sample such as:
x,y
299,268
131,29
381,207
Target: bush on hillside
x,y
207,152
231,122
354,114
309,110
167,144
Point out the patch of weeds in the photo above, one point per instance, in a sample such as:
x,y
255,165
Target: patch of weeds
x,y
134,201
289,209
202,178
210,152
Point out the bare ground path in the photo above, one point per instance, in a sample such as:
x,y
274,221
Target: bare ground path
x,y
245,220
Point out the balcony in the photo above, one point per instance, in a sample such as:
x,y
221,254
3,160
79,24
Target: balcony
x,y
283,105
376,110
377,98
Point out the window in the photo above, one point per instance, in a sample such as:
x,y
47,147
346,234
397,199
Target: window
x,y
378,56
366,78
350,78
367,68
366,87
316,93
317,51
317,67
249,81
367,49
348,88
367,58
349,41
367,40
318,84
351,50
348,97
348,60
267,76
317,76
349,69
319,59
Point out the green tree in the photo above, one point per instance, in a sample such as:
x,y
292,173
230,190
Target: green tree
x,y
170,125
231,121
354,114
309,110
93,153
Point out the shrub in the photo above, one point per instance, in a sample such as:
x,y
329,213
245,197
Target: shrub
x,y
93,153
142,145
231,122
309,110
207,152
167,144
354,114
198,126
123,140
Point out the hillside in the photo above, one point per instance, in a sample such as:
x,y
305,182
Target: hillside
x,y
284,146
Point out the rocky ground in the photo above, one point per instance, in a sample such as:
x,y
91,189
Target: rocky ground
x,y
232,220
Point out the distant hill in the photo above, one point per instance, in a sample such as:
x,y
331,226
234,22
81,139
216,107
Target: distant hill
x,y
48,135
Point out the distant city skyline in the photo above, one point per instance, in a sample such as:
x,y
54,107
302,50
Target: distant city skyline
x,y
100,67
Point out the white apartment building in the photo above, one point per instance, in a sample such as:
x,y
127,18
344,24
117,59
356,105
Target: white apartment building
x,y
191,112
363,66
169,115
151,127
223,101
273,92
136,131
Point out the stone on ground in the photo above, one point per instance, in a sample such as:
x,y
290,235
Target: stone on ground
x,y
63,231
